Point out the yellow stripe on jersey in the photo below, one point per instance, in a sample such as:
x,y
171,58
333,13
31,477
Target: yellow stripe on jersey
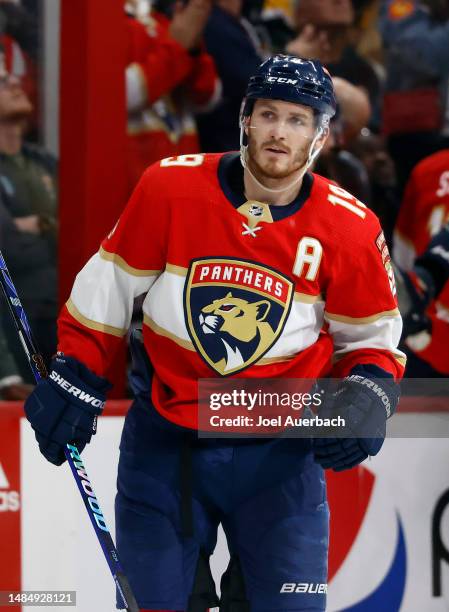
x,y
189,346
121,263
398,356
361,320
271,360
305,298
107,329
178,270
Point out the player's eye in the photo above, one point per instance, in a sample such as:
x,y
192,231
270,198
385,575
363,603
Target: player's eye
x,y
267,114
297,121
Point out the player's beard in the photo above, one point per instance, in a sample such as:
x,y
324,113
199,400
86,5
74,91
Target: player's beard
x,y
271,170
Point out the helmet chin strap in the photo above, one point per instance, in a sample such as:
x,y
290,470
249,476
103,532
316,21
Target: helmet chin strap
x,y
310,159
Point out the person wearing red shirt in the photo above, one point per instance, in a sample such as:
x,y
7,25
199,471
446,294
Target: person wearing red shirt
x,y
168,76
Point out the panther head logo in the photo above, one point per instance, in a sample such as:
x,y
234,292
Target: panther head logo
x,y
241,328
235,311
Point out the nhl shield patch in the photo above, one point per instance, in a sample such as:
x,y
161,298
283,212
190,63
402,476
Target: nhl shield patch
x,y
235,311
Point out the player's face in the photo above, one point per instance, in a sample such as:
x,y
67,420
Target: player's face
x,y
279,137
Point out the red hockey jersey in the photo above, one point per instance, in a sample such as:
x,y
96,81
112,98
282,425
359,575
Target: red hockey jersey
x,y
231,292
164,84
424,211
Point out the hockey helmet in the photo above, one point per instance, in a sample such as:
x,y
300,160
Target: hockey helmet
x,y
292,79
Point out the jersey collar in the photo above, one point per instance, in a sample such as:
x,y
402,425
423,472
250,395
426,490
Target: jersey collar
x,y
230,177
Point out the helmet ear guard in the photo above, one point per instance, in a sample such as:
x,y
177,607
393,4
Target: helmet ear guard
x,y
246,108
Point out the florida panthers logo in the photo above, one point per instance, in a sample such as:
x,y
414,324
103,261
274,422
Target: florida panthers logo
x,y
235,311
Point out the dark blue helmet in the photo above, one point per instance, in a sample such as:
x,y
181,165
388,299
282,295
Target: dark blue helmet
x,y
289,78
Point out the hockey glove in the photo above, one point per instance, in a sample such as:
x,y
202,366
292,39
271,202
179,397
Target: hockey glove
x,y
64,407
364,402
424,283
415,290
435,262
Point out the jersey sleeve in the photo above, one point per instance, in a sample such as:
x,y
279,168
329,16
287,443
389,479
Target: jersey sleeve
x,y
204,85
156,64
95,319
361,307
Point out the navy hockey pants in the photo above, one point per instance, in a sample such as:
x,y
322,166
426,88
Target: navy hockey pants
x,y
269,495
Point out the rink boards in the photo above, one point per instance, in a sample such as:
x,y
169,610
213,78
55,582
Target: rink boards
x,y
389,525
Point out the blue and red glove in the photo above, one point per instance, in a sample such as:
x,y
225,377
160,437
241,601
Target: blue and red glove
x,y
424,283
365,400
64,407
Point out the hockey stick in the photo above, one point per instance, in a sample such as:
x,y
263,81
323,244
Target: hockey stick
x,y
71,452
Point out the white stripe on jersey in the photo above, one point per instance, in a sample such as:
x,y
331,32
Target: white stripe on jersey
x,y
382,333
164,307
104,292
404,253
164,304
301,330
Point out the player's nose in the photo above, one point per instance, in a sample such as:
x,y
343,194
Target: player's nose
x,y
278,130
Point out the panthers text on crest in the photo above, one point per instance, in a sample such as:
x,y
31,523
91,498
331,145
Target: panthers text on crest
x,y
242,275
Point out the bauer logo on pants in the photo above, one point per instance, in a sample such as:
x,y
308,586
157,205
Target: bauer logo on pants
x,y
235,310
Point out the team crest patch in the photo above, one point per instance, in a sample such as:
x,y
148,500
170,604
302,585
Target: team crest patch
x,y
235,310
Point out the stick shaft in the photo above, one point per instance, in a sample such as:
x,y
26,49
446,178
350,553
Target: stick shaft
x,y
71,452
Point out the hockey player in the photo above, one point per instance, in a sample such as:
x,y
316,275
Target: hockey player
x,y
169,76
424,283
423,213
252,267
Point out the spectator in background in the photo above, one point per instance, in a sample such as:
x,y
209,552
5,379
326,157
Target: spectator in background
x,y
415,109
384,197
27,222
341,166
278,19
369,42
168,74
336,161
333,17
234,44
327,31
19,37
423,213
